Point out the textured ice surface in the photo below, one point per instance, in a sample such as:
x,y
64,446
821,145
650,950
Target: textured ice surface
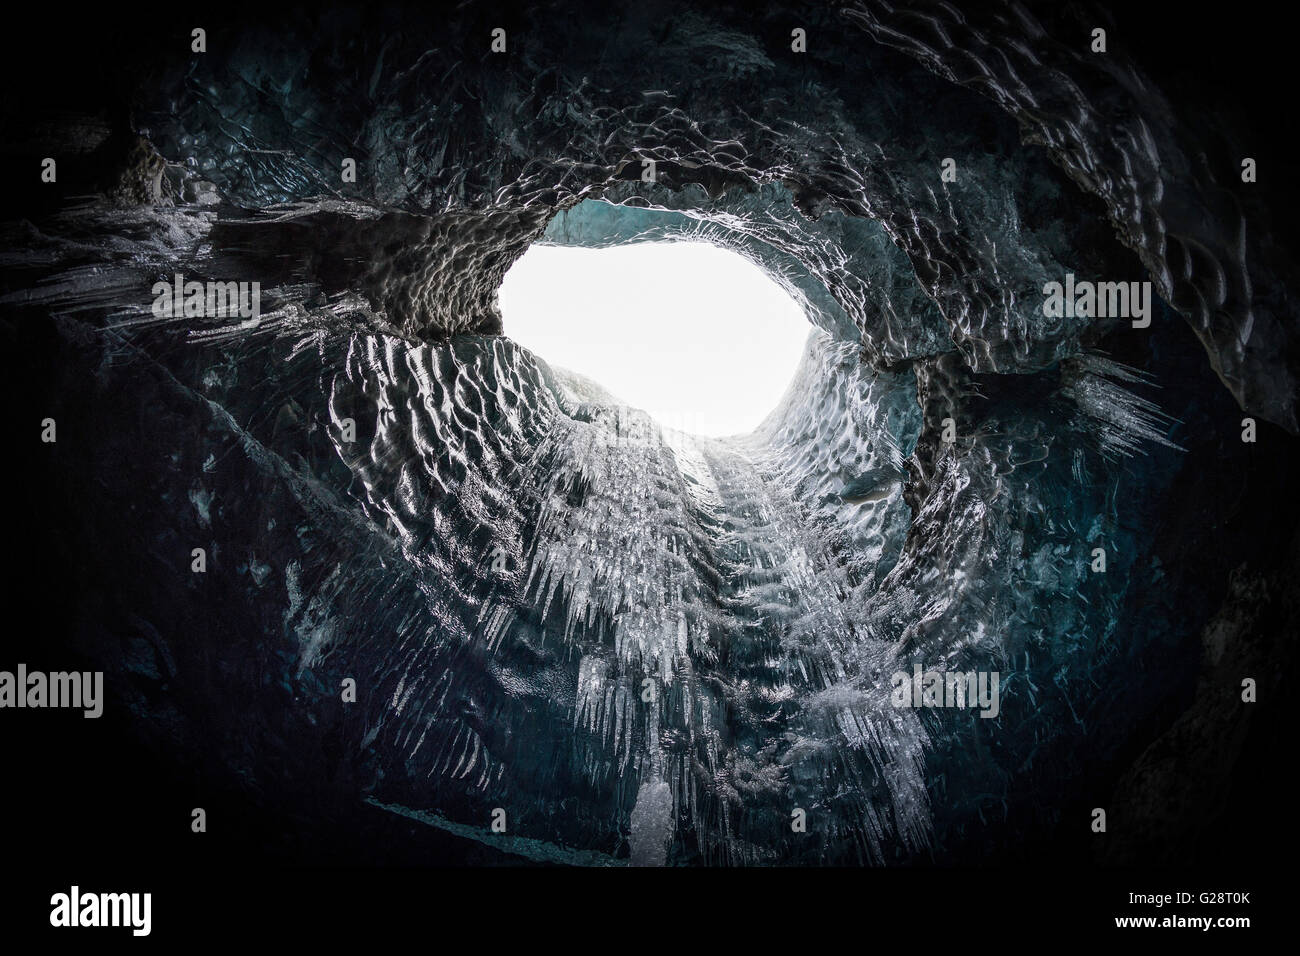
x,y
825,158
643,643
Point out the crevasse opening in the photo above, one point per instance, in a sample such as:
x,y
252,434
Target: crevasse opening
x,y
694,334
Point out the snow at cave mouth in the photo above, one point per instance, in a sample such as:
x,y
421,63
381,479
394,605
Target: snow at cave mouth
x,y
694,334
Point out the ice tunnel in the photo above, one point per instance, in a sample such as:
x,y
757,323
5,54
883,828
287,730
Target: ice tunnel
x,y
371,578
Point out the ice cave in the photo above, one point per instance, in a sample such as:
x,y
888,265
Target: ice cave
x,y
379,583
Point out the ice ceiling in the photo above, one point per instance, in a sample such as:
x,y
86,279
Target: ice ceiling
x,y
390,490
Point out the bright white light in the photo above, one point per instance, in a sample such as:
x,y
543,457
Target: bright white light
x,y
694,334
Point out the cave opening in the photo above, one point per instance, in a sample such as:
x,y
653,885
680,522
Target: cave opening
x,y
696,335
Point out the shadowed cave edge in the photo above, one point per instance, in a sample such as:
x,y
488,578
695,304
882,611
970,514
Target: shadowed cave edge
x,y
501,559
